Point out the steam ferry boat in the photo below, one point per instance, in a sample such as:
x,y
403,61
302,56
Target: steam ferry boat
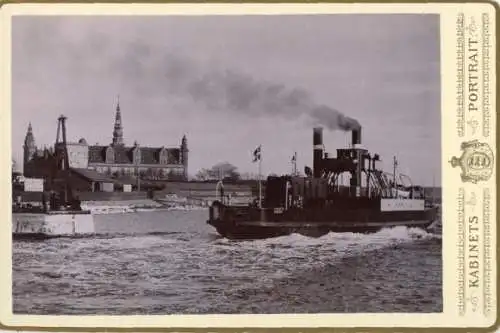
x,y
348,193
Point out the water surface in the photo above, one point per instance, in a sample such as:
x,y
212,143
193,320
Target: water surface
x,y
168,262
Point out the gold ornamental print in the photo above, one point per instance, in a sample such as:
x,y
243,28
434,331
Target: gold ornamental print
x,y
476,162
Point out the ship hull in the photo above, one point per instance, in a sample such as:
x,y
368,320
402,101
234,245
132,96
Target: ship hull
x,y
269,225
252,230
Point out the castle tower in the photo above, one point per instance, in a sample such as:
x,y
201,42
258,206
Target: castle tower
x,y
29,147
118,129
184,156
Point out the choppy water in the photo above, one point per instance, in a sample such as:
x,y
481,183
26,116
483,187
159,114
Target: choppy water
x,y
172,262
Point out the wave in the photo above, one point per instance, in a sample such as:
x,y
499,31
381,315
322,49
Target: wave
x,y
395,234
187,265
287,254
228,258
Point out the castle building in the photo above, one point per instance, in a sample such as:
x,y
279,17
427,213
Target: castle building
x,y
116,159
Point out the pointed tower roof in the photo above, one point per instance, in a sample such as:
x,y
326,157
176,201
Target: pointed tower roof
x,y
184,143
29,139
118,128
118,103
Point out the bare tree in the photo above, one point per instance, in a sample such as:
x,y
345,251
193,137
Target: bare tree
x,y
222,170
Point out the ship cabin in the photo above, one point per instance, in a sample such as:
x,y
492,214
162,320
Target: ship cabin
x,y
351,180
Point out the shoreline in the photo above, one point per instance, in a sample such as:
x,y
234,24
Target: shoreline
x,y
134,206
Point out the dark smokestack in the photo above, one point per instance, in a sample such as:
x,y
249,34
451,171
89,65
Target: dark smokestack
x,y
317,151
356,136
356,179
318,137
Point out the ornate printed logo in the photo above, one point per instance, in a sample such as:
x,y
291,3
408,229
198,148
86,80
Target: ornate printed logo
x,y
476,161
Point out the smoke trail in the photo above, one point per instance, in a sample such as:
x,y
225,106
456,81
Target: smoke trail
x,y
333,119
230,91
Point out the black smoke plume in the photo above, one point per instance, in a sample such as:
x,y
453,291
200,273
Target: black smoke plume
x,y
221,89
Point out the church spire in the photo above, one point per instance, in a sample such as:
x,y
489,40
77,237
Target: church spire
x,y
29,148
118,129
29,139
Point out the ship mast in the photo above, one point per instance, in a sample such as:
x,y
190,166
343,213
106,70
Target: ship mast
x,y
433,188
260,176
294,164
394,177
257,157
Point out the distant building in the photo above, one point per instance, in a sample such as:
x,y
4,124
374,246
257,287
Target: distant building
x,y
115,159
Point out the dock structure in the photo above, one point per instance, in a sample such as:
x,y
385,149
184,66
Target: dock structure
x,y
59,212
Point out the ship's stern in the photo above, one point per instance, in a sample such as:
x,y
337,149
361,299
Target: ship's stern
x,y
237,222
219,219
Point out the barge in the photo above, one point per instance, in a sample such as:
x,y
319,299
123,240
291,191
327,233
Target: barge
x,y
57,223
348,193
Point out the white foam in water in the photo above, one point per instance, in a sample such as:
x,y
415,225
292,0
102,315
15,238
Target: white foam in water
x,y
250,263
292,252
121,243
382,238
189,266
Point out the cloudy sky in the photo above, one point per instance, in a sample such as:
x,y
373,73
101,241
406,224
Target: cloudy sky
x,y
231,83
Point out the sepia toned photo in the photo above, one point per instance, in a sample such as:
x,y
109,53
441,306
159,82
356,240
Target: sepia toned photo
x,y
210,164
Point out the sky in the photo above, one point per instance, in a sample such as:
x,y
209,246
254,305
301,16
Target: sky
x,y
231,83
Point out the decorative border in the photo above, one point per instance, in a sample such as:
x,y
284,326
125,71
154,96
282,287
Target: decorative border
x,y
485,36
461,93
461,251
487,265
488,24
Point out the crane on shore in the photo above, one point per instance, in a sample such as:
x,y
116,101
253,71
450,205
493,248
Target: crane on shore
x,y
61,180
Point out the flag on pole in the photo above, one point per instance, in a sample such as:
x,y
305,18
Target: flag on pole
x,y
256,154
294,164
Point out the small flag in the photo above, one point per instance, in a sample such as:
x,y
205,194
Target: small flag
x,y
294,157
256,154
